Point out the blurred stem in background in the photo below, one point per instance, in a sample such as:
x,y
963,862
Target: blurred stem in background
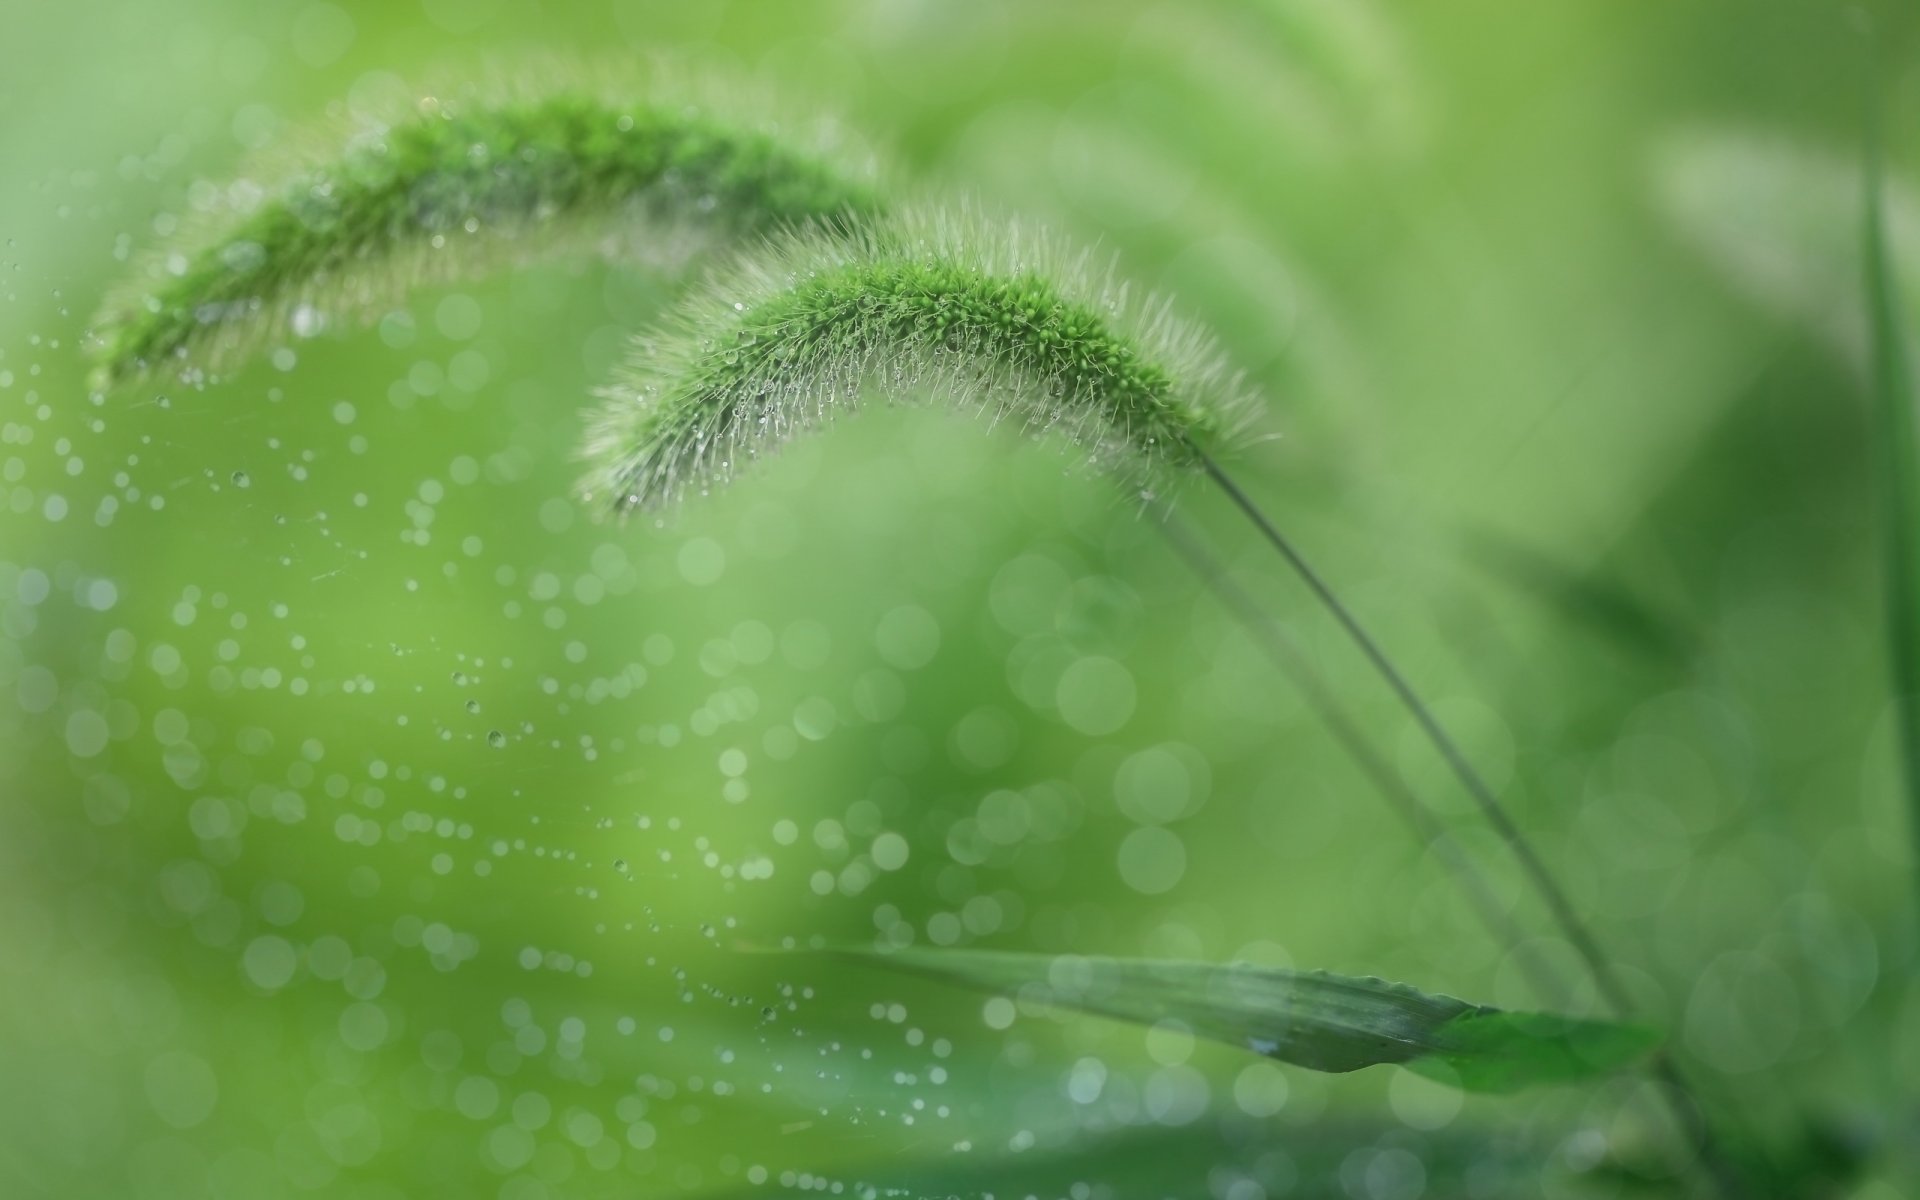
x,y
1892,384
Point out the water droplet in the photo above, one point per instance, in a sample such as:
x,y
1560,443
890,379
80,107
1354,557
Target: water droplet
x,y
307,321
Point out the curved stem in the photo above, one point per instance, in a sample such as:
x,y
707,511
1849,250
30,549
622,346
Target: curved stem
x,y
1674,1087
1470,778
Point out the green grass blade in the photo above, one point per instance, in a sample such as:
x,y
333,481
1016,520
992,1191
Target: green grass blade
x,y
1892,383
1312,1019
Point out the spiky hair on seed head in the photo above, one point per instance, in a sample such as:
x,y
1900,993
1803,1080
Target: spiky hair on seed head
x,y
435,184
928,306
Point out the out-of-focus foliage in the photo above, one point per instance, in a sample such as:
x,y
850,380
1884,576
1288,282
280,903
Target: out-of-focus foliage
x,y
375,822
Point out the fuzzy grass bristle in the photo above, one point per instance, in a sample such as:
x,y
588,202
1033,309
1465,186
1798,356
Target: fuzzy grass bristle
x,y
929,307
453,184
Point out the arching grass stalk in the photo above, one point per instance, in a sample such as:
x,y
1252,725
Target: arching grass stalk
x,y
929,306
465,177
949,309
941,308
449,187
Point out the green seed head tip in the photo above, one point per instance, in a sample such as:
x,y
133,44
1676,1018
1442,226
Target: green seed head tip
x,y
927,307
455,183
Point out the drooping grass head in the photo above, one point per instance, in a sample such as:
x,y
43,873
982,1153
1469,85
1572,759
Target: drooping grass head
x,y
458,180
925,307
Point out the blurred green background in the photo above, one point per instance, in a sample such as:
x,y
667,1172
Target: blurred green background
x,y
376,822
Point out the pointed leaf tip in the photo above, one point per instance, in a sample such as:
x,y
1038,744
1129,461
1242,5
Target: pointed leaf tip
x,y
1312,1019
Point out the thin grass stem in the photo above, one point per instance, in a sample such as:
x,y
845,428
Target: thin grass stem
x,y
1679,1094
1557,901
1291,661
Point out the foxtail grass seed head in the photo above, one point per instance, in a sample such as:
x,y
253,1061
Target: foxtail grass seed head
x,y
460,182
931,307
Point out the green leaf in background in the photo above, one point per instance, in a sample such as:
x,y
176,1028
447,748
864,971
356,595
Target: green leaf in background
x,y
1776,215
1773,216
1606,607
1312,1019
